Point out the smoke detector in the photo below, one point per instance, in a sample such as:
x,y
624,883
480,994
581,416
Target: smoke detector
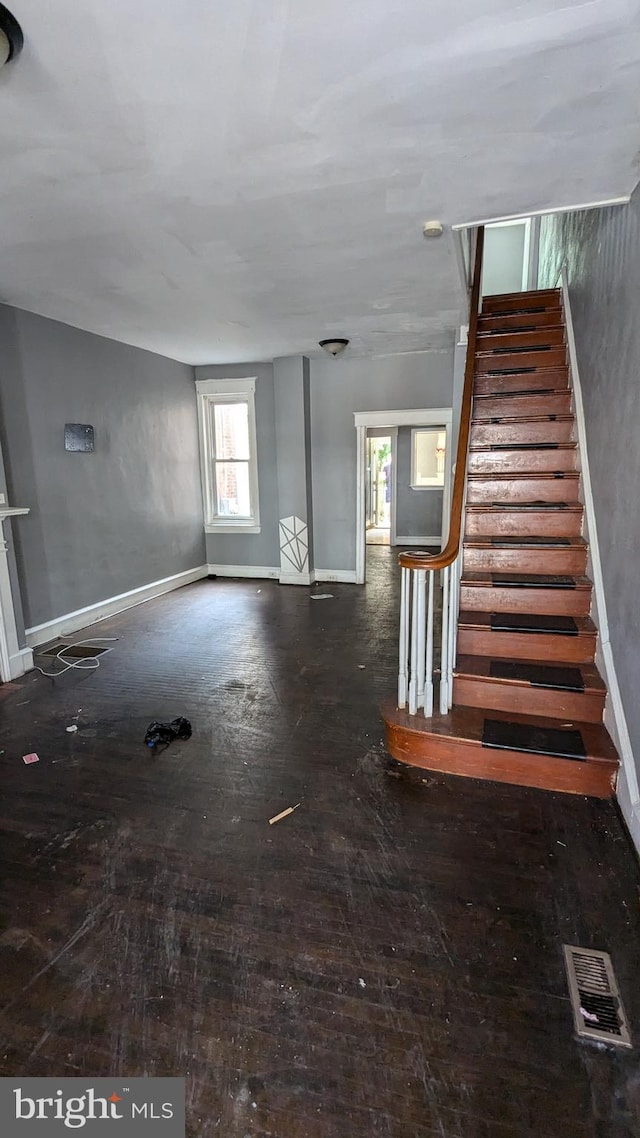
x,y
335,346
432,229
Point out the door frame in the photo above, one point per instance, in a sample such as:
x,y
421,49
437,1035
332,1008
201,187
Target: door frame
x,y
392,434
418,417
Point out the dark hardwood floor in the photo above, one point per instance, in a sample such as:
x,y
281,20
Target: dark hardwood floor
x,y
386,961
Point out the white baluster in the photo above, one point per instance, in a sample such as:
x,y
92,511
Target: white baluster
x,y
420,602
444,658
404,635
452,632
413,659
428,687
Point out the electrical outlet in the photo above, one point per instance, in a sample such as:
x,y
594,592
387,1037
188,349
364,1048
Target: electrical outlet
x,y
2,499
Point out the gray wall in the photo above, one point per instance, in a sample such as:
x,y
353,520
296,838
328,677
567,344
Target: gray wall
x,y
262,548
338,388
418,512
602,251
102,523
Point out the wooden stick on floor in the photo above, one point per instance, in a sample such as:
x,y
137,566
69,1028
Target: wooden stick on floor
x,y
284,814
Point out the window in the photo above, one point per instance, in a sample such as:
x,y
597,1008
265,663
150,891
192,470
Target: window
x,y
428,451
228,454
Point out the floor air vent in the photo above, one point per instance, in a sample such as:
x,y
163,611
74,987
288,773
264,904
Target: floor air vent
x,y
597,1008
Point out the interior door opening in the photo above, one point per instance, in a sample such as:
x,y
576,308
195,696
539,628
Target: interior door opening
x,y
378,489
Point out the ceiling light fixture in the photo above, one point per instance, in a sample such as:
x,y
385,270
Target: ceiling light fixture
x,y
335,346
11,37
432,229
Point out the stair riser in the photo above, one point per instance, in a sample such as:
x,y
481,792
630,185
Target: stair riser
x,y
572,562
517,301
522,490
542,523
487,342
584,707
510,406
556,378
508,434
526,646
522,461
550,319
545,602
465,757
507,361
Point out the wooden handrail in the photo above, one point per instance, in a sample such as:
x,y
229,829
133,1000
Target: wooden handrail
x,y
448,555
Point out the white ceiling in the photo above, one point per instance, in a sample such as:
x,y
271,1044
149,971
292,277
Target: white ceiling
x,y
222,180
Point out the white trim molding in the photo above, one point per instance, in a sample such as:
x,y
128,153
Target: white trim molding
x,y
20,662
432,541
262,572
14,660
628,791
81,618
340,576
624,199
413,417
273,573
212,392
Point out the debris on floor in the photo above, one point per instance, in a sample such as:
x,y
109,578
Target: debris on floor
x,y
72,728
284,814
179,728
32,758
321,596
361,982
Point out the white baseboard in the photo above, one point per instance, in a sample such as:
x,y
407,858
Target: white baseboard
x,y
72,621
340,576
271,572
20,662
261,571
630,810
295,578
419,540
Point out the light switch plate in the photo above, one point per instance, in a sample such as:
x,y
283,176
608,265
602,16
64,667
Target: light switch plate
x,y
2,499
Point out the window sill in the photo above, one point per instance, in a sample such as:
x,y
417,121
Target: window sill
x,y
439,487
240,528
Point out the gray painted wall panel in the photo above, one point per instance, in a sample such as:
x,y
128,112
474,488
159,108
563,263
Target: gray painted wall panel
x,y
262,548
103,523
338,388
418,512
602,251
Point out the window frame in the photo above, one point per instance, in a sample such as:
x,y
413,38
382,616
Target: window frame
x,y
439,428
212,392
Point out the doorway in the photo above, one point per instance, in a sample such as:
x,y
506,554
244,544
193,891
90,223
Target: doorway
x,y
373,429
378,488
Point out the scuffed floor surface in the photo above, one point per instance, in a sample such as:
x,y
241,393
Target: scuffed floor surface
x,y
386,962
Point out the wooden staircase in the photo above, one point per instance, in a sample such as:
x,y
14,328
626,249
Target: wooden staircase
x,y
528,700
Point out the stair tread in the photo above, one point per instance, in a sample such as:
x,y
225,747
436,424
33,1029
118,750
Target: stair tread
x,y
490,416
466,724
526,580
498,448
517,541
480,667
489,332
478,618
525,507
521,475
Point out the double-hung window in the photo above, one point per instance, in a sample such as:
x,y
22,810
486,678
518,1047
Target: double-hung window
x,y
428,453
226,413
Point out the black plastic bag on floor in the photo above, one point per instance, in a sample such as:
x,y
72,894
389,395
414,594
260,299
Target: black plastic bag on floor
x,y
159,733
